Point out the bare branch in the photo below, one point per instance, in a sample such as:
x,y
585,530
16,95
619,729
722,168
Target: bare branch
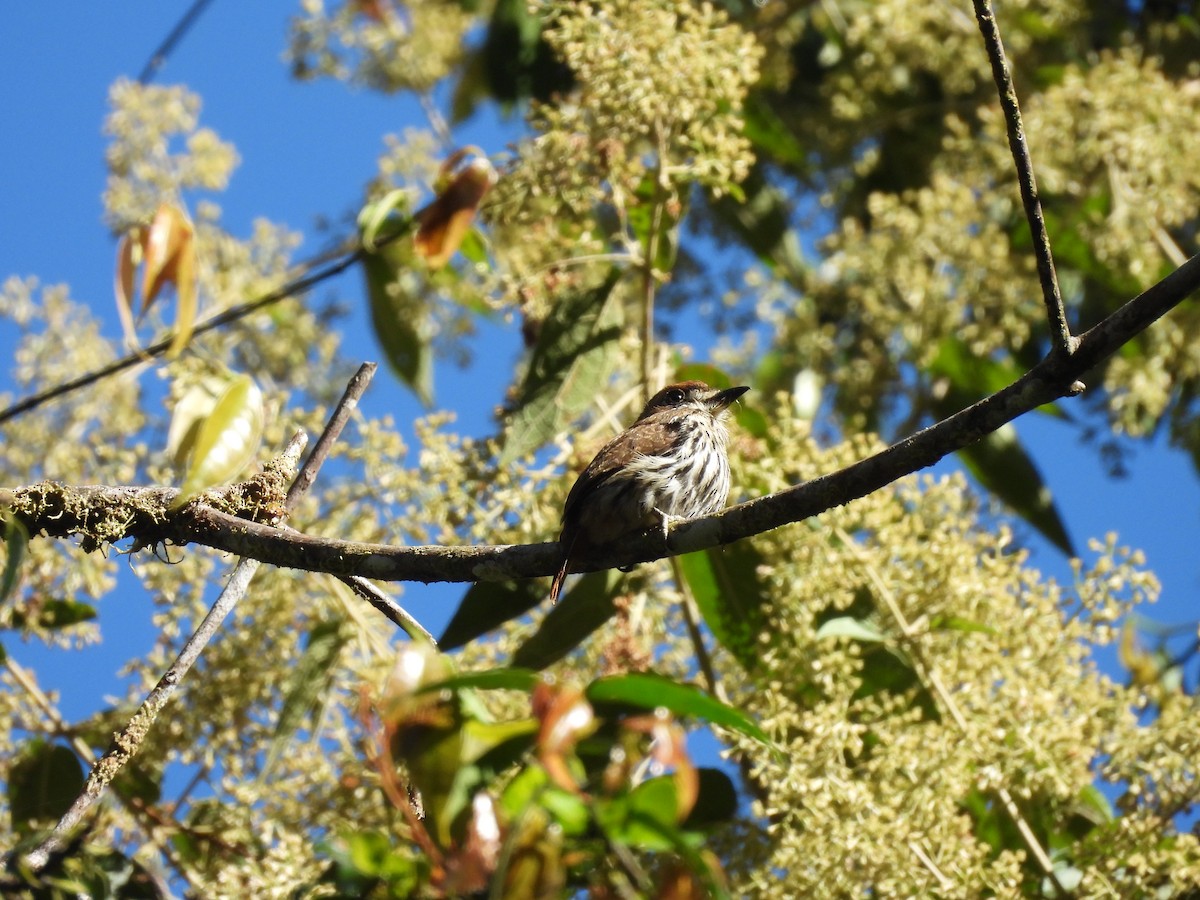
x,y
182,27
1060,331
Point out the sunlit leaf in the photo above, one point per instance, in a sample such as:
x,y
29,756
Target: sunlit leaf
x,y
227,441
57,614
187,415
651,691
467,176
185,299
572,359
644,818
850,627
488,680
16,543
129,253
42,785
168,240
381,219
583,609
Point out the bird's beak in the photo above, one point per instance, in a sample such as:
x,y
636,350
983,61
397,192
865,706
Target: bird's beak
x,y
722,399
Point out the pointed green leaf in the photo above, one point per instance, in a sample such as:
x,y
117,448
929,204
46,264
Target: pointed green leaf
x,y
227,441
850,627
998,461
1002,466
643,818
401,319
724,581
651,691
571,361
16,542
308,681
504,679
378,220
43,784
487,605
581,611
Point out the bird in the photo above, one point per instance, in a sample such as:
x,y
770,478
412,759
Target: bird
x,y
672,463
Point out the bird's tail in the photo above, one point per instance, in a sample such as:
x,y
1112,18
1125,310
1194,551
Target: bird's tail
x,y
561,575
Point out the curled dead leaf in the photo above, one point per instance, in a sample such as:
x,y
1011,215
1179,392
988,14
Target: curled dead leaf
x,y
465,179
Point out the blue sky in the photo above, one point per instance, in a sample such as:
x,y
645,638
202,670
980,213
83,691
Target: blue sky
x,y
306,151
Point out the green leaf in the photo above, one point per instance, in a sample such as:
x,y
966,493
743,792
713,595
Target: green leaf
x,y
42,785
227,440
474,249
487,605
401,319
581,611
56,614
850,627
650,197
505,679
643,818
1002,466
650,691
16,543
724,581
771,135
571,361
531,786
998,461
308,681
379,215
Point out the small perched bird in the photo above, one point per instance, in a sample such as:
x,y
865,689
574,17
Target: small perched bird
x,y
671,463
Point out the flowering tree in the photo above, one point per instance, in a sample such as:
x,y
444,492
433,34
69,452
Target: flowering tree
x,y
835,203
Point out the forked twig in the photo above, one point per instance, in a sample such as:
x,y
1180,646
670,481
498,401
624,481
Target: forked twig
x,y
128,741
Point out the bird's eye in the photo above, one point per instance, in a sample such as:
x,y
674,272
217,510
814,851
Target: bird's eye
x,y
673,396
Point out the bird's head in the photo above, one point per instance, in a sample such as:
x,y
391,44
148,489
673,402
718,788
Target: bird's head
x,y
692,397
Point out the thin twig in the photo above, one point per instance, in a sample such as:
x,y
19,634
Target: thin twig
x,y
182,27
688,605
390,608
293,288
935,683
128,741
1060,331
649,275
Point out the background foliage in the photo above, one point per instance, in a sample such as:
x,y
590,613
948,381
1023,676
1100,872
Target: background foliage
x,y
814,199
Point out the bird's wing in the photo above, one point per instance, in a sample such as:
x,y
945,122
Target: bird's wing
x,y
644,438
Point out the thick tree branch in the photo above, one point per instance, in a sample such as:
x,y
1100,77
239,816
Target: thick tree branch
x,y
1060,331
142,513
